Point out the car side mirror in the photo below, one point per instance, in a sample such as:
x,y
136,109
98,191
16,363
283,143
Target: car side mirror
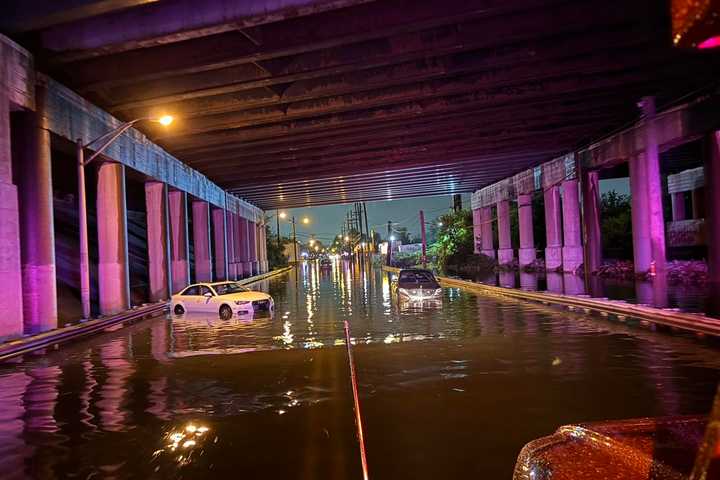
x,y
207,294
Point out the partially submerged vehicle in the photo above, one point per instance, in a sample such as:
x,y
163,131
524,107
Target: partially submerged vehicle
x,y
416,284
225,298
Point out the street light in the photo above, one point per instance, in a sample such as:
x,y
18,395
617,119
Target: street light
x,y
306,220
108,138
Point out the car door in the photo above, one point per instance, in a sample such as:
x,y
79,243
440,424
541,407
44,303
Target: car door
x,y
207,303
191,298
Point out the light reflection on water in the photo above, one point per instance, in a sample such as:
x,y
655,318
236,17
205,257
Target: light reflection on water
x,y
449,389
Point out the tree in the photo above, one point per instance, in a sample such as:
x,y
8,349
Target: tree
x,y
276,253
616,225
454,238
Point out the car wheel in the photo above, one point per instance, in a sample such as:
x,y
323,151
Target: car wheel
x,y
226,312
179,310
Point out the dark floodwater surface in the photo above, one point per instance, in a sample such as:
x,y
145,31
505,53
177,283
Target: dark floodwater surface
x,y
447,391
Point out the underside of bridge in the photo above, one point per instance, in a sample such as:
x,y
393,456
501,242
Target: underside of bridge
x,y
311,102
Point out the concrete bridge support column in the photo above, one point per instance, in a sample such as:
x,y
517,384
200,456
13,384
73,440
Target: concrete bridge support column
x,y
505,250
648,234
553,228
572,252
11,307
179,259
201,241
31,150
252,247
245,247
678,206
488,242
157,240
591,211
646,196
242,270
477,230
231,234
219,245
262,248
113,271
526,254
712,215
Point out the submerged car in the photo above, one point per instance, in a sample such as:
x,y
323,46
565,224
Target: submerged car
x,y
415,284
224,298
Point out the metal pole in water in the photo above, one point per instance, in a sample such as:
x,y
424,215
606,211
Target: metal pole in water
x,y
358,417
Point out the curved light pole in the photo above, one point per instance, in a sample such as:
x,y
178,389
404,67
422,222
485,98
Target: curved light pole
x,y
108,139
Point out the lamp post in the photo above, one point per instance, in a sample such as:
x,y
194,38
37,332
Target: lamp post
x,y
108,139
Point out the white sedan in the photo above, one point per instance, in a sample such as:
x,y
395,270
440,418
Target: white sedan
x,y
224,298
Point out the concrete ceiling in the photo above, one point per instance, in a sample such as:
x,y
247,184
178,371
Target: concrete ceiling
x,y
305,102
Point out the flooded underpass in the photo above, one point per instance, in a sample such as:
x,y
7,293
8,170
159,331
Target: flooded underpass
x,y
452,389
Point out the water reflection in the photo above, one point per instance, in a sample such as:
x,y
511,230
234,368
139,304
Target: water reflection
x,y
197,397
656,292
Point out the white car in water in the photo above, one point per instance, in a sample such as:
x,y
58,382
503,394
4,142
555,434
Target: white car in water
x,y
224,298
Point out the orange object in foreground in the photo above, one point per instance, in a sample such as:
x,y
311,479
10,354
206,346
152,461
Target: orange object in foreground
x,y
356,399
672,448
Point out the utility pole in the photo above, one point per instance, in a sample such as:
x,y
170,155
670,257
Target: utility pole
x,y
367,233
294,240
424,243
277,217
457,202
389,242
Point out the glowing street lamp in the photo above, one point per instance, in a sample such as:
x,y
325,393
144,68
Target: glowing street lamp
x,y
282,215
306,220
107,139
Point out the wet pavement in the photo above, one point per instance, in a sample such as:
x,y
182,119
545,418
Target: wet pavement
x,y
448,390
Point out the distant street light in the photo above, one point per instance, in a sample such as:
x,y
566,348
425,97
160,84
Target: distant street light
x,y
108,138
306,220
440,224
282,215
347,239
392,238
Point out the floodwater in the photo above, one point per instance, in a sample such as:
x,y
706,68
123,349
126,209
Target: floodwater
x,y
657,292
452,390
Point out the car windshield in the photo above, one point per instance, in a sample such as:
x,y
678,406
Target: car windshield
x,y
416,277
228,288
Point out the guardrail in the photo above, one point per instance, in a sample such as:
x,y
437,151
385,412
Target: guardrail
x,y
692,322
52,338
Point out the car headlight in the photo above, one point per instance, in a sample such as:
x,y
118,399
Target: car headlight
x,y
240,302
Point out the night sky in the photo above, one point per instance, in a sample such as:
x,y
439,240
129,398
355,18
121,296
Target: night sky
x,y
325,221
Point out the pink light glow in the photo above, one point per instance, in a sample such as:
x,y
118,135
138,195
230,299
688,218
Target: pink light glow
x,y
712,42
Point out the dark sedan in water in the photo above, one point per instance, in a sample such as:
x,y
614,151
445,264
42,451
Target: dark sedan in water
x,y
416,284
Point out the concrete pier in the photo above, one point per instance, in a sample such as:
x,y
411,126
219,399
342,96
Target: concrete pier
x,y
526,253
230,222
553,228
201,241
572,252
31,151
712,195
591,212
11,303
505,252
488,242
179,240
477,230
157,245
252,247
219,245
113,270
242,269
